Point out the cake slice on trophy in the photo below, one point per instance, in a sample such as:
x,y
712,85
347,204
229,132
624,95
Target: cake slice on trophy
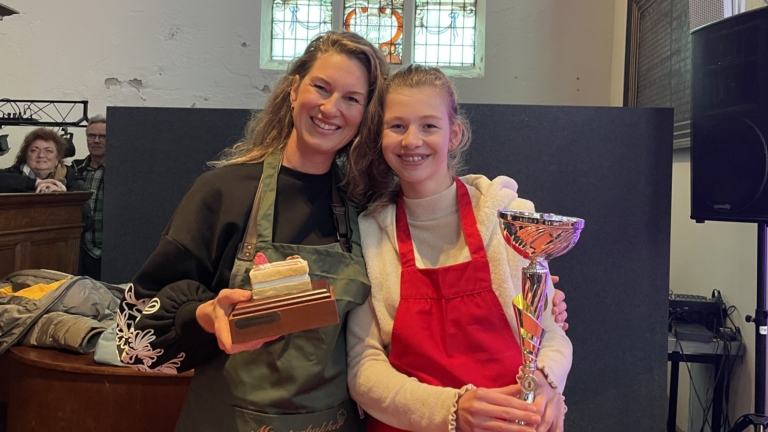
x,y
284,301
284,277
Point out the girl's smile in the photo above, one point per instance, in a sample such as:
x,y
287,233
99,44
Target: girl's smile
x,y
417,137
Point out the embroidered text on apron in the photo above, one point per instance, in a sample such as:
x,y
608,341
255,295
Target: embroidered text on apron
x,y
450,329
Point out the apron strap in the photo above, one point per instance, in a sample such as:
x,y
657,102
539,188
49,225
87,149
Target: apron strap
x,y
404,240
261,210
247,248
340,217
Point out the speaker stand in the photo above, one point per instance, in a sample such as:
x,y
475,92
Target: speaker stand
x,y
759,420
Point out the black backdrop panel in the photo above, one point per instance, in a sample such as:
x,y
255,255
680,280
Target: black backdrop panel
x,y
155,154
613,168
610,166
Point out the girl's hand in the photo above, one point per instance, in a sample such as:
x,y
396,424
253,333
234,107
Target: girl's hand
x,y
550,405
559,306
213,317
495,410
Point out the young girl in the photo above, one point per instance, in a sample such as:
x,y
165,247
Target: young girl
x,y
435,348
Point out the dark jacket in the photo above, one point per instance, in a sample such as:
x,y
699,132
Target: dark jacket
x,y
80,165
13,179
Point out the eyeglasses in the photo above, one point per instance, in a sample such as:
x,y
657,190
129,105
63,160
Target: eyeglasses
x,y
92,137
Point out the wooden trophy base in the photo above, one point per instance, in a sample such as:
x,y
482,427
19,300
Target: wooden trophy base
x,y
284,314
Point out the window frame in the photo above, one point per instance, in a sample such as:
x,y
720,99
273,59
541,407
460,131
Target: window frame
x,y
337,16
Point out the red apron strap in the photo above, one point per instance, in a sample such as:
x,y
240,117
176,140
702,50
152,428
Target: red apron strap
x,y
404,240
468,222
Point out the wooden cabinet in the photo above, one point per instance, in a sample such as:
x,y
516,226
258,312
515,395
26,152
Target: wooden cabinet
x,y
41,231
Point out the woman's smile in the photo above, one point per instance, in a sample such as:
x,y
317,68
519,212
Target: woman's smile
x,y
324,126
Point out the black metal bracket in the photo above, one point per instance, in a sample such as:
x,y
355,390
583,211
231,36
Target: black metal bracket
x,y
51,113
759,319
759,422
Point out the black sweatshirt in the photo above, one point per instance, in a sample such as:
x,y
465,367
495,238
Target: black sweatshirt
x,y
194,259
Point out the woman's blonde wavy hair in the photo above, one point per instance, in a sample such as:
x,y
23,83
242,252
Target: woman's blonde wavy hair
x,y
269,129
375,182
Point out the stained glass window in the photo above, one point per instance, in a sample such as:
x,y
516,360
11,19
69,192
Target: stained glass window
x,y
444,32
379,21
295,23
432,32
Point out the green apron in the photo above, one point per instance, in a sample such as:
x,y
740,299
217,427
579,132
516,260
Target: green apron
x,y
298,382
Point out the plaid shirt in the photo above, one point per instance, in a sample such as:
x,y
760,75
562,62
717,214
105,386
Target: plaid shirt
x,y
94,181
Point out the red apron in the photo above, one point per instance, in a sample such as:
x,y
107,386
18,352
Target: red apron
x,y
450,329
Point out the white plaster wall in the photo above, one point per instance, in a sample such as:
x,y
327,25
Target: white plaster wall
x,y
619,53
752,4
205,54
713,255
549,52
183,53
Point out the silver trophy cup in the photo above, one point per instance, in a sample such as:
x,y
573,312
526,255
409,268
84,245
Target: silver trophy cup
x,y
536,237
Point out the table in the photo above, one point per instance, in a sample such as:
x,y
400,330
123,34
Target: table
x,y
53,390
697,352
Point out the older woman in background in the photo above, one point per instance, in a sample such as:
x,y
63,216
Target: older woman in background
x,y
38,166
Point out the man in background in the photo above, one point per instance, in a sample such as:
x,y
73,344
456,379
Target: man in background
x,y
91,171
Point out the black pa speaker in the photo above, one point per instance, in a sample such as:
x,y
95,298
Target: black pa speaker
x,y
729,119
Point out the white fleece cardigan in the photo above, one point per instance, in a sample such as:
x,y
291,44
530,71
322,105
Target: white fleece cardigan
x,y
403,401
